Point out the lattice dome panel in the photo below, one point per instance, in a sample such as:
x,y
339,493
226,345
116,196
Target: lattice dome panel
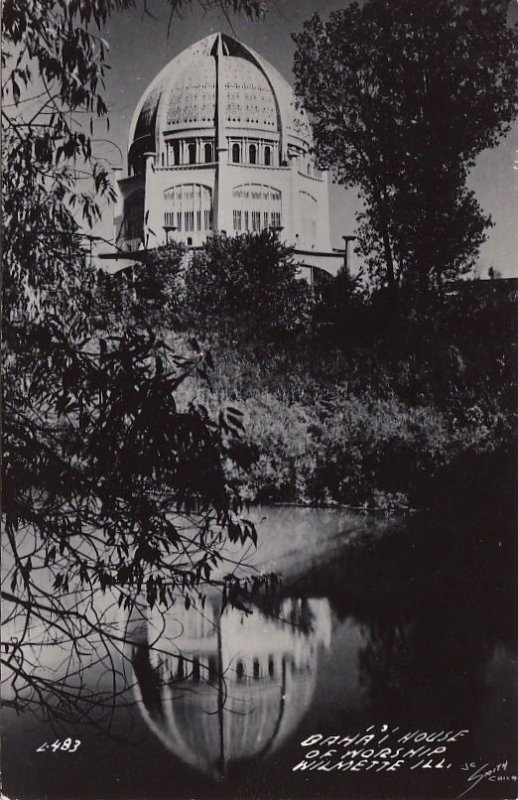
x,y
192,98
249,98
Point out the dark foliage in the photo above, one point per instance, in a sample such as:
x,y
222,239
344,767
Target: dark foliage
x,y
370,402
375,402
109,482
247,285
404,95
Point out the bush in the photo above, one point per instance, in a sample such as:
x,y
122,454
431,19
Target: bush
x,y
364,403
247,285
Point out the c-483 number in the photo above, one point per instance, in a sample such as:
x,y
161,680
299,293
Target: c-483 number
x,y
67,746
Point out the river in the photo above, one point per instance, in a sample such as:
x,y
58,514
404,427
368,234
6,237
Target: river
x,y
380,628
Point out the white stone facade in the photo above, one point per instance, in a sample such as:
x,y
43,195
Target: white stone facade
x,y
217,144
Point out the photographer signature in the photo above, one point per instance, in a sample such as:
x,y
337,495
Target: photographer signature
x,y
478,773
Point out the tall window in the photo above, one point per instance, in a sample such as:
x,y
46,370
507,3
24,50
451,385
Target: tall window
x,y
236,153
188,218
191,203
252,154
191,149
208,153
267,156
172,153
256,206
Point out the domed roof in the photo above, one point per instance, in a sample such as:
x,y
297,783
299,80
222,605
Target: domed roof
x,y
186,94
253,684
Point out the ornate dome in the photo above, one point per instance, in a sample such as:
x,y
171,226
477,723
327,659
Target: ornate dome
x,y
186,95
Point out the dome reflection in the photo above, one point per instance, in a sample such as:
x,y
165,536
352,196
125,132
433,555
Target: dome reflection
x,y
219,687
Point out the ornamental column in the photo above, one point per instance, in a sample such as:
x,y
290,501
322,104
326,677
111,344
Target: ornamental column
x,y
153,205
222,190
292,220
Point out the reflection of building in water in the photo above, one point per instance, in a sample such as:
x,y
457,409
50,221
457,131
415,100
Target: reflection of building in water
x,y
238,686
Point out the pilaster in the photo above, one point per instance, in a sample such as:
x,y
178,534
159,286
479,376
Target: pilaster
x,y
118,207
221,210
153,207
291,222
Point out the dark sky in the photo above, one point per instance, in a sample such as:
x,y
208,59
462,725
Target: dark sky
x,y
140,47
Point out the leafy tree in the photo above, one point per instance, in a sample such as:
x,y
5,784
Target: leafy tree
x,y
163,274
404,96
108,483
153,292
340,306
247,282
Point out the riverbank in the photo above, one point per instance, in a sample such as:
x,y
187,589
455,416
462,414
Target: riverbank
x,y
323,430
346,396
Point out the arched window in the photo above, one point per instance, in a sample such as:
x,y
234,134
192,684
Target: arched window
x,y
256,207
191,149
188,207
208,153
310,168
236,153
267,156
252,154
172,157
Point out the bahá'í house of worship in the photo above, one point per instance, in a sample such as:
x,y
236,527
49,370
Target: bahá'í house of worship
x,y
218,144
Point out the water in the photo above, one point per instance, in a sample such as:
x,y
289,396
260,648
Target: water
x,y
402,625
